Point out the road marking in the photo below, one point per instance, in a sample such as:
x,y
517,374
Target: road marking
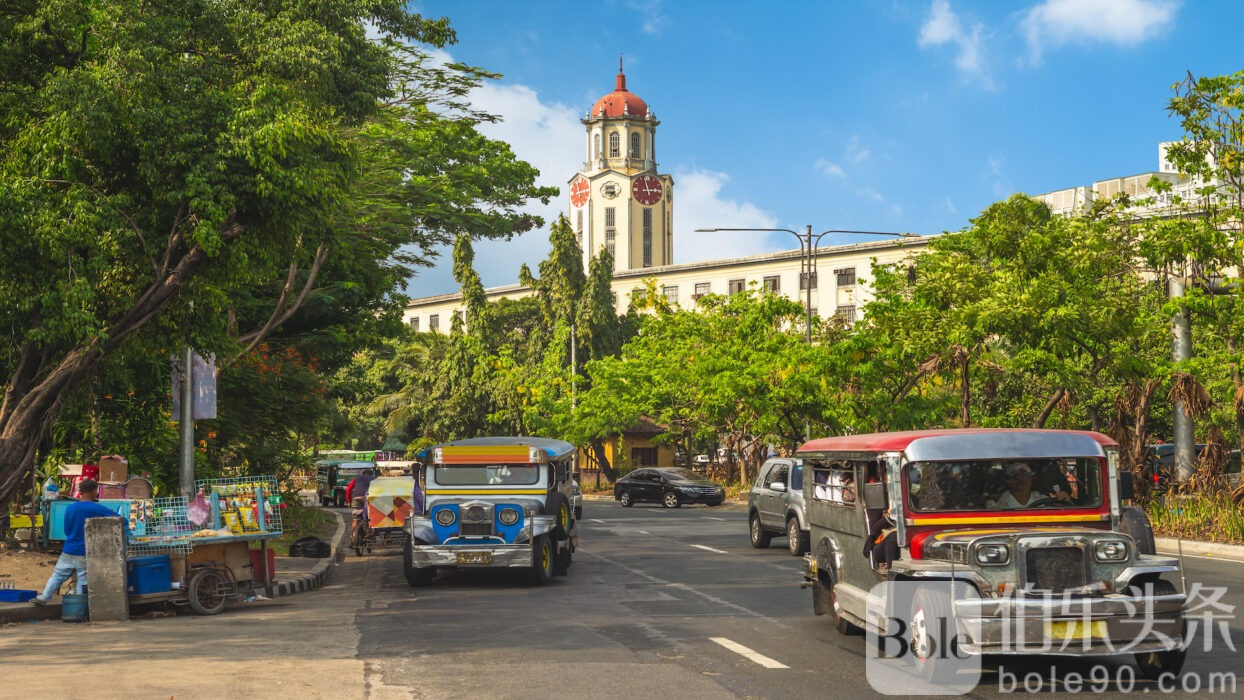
x,y
748,653
642,532
709,549
596,520
709,517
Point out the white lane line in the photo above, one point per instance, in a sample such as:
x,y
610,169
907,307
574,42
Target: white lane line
x,y
642,532
748,653
709,517
709,549
596,520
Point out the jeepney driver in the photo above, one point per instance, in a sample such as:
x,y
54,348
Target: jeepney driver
x,y
1019,493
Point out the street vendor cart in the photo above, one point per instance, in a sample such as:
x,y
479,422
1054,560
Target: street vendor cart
x,y
197,554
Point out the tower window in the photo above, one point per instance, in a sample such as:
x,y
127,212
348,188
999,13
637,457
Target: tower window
x,y
610,231
635,145
596,143
578,232
615,145
647,238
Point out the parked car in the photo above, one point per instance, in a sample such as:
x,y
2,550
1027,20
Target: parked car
x,y
670,486
1162,469
775,505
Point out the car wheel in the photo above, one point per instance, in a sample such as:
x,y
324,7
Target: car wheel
x,y
670,500
835,609
625,499
415,577
795,543
557,505
760,538
544,559
1134,522
932,627
1154,665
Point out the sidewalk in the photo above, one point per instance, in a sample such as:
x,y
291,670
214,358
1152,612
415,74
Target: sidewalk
x,y
293,575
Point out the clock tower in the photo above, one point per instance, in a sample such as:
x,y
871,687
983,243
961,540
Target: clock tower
x,y
619,201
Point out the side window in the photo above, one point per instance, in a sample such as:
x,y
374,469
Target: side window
x,y
762,476
796,478
778,475
835,484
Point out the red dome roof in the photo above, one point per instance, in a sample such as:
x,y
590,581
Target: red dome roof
x,y
620,102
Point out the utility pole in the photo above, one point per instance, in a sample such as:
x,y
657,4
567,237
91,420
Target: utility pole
x,y
187,422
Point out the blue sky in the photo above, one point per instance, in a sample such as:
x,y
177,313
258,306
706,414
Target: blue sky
x,y
857,114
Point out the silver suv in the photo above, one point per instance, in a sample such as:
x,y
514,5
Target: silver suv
x,y
775,505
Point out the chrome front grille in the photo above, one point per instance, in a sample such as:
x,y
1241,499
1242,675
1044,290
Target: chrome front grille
x,y
1055,569
475,529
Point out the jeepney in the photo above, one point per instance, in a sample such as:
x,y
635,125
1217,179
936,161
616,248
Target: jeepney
x,y
332,476
1010,541
494,502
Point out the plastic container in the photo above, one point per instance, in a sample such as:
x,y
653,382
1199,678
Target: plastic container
x,y
73,608
259,572
16,595
147,575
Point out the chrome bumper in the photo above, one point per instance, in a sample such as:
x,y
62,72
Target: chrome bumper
x,y
1108,625
503,555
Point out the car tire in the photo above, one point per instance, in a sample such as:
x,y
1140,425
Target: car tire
x,y
1134,522
578,512
543,560
759,537
557,506
562,564
415,577
670,500
1154,665
930,610
625,499
834,609
796,542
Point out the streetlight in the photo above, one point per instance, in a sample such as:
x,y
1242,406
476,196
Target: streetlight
x,y
808,244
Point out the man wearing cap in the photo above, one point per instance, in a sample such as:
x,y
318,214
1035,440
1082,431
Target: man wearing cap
x,y
1019,493
73,554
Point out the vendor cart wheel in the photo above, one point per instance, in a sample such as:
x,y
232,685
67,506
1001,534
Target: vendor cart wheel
x,y
209,591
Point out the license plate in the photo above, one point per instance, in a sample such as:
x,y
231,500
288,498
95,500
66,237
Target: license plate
x,y
1072,630
476,558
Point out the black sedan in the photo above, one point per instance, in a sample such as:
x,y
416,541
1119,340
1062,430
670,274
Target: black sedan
x,y
669,486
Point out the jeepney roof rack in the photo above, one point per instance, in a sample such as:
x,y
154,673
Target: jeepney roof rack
x,y
483,449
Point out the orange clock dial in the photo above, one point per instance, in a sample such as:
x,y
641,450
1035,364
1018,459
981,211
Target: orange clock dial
x,y
578,191
646,189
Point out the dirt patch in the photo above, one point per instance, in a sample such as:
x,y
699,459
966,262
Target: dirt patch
x,y
28,570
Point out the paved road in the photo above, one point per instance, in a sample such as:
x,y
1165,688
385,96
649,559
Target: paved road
x,y
659,603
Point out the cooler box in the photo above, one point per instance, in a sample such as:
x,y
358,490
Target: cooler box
x,y
149,574
16,595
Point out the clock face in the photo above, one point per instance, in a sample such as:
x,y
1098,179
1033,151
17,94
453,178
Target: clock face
x,y
578,191
646,189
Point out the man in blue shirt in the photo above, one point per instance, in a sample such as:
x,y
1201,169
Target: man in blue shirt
x,y
73,554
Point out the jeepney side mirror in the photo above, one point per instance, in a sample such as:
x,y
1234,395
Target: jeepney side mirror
x,y
874,496
1127,487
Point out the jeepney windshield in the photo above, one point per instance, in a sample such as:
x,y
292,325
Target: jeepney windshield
x,y
490,474
1004,484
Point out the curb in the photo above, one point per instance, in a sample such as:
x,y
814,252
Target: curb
x,y
1170,545
322,570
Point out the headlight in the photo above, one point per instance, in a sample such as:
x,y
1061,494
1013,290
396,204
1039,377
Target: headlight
x,y
1110,550
445,516
508,516
993,554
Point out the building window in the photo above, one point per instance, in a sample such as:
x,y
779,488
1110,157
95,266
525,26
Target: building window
x,y
615,145
671,293
434,322
644,456
773,283
635,145
596,143
702,288
807,285
578,233
736,286
414,323
845,313
647,238
846,276
462,316
611,231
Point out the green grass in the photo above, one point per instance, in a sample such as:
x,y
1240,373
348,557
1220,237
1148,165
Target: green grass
x,y
1206,518
302,520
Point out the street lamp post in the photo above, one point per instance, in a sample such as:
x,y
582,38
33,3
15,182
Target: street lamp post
x,y
808,245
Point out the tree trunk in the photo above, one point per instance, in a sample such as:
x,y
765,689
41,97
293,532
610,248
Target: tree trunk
x,y
1049,408
965,394
602,459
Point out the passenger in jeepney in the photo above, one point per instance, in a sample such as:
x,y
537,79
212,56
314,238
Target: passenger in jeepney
x,y
1019,491
881,540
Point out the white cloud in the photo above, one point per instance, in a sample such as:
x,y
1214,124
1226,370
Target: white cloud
x,y
950,206
700,205
869,193
655,21
944,27
829,168
1001,184
856,152
1122,22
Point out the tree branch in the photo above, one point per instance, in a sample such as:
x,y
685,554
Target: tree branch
x,y
280,315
